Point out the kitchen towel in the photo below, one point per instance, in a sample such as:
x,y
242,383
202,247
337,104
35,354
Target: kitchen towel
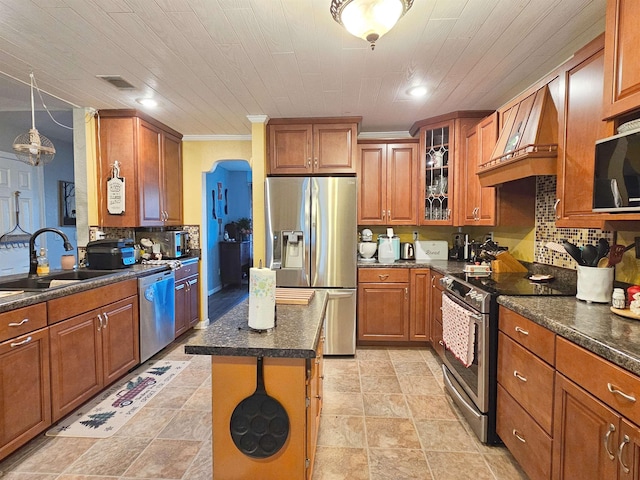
x,y
262,298
458,331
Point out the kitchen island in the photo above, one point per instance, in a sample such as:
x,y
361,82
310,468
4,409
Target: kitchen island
x,y
292,359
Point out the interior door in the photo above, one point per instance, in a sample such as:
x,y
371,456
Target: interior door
x,y
28,180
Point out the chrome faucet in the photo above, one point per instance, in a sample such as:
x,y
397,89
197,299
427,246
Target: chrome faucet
x,y
33,256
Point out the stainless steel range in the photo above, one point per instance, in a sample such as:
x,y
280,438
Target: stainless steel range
x,y
470,363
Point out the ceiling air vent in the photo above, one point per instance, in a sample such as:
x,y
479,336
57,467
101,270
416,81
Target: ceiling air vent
x,y
117,81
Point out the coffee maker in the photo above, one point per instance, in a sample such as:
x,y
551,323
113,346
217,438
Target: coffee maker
x,y
460,250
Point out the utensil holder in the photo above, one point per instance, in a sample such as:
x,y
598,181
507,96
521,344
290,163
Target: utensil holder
x,y
595,284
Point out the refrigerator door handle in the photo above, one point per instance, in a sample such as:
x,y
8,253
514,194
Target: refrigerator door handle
x,y
335,294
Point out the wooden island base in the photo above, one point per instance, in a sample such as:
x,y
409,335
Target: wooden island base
x,y
233,379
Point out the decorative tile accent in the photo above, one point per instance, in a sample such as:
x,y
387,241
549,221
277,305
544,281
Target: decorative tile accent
x,y
546,230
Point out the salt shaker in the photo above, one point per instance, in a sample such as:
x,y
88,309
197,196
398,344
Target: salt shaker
x,y
618,299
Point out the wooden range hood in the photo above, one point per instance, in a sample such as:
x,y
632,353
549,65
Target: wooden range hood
x,y
528,143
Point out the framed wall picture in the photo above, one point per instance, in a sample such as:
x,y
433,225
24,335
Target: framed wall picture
x,y
67,192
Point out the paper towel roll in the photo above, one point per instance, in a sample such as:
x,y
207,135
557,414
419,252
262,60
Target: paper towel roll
x,y
262,298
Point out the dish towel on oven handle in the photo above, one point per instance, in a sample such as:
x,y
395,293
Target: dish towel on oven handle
x,y
458,331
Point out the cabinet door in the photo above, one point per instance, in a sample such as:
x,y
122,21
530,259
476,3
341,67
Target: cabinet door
x,y
436,163
25,395
622,44
487,137
471,193
193,301
402,186
372,184
585,435
419,325
150,196
628,451
290,149
581,119
76,362
436,314
334,148
383,311
182,308
120,338
172,180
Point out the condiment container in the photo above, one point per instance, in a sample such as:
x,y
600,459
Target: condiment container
x,y
618,299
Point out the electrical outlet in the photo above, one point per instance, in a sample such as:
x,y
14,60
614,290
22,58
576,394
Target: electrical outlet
x,y
415,236
488,236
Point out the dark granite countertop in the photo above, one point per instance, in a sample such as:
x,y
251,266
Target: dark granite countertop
x,y
11,302
590,325
296,334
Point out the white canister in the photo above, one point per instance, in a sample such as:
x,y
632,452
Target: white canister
x,y
595,284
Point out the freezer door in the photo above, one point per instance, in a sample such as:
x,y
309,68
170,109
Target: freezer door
x,y
340,322
288,212
334,232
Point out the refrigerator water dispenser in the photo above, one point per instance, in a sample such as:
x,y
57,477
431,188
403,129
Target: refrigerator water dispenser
x,y
293,249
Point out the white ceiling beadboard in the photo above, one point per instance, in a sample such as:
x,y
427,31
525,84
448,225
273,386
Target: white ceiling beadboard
x,y
210,63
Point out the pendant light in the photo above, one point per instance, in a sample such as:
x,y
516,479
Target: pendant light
x,y
32,148
369,19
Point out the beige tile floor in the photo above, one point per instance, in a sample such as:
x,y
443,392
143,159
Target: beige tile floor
x,y
385,416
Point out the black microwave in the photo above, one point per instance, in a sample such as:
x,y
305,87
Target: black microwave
x,y
616,185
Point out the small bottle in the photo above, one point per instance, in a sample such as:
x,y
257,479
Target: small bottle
x,y
618,299
43,263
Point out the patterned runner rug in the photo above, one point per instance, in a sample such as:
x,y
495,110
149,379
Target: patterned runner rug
x,y
106,413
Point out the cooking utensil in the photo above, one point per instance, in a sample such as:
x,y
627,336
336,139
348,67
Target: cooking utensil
x,y
590,255
573,251
556,247
615,254
16,237
259,424
603,249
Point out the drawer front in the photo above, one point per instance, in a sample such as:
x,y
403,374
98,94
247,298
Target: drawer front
x,y
383,275
187,270
524,438
528,334
22,320
527,379
611,384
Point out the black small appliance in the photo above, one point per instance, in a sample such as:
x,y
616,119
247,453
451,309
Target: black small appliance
x,y
110,254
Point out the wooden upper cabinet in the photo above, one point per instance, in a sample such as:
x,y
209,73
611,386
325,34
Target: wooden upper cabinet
x,y
149,154
580,116
478,202
387,183
441,154
312,146
622,58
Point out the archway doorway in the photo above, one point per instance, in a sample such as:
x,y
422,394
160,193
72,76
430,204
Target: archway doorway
x,y
229,246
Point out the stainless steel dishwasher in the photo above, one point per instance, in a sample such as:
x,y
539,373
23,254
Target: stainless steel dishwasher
x,y
156,296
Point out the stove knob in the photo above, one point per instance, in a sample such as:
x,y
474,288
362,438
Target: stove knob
x,y
446,281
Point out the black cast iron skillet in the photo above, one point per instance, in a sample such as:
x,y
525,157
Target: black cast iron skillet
x,y
259,424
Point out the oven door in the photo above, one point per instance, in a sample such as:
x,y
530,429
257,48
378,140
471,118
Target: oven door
x,y
473,379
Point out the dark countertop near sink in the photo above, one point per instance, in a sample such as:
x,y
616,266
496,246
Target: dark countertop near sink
x,y
296,334
11,302
590,325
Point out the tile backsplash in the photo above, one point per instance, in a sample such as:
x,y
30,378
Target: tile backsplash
x,y
546,230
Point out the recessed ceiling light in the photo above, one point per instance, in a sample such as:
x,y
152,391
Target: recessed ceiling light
x,y
147,102
417,91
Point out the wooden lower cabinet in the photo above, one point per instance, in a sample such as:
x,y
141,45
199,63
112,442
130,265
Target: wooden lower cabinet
x,y
383,304
288,380
436,314
91,351
314,394
25,395
187,298
419,316
586,435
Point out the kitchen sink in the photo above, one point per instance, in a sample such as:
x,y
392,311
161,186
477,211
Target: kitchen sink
x,y
56,280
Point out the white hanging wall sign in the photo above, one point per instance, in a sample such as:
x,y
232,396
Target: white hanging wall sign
x,y
115,191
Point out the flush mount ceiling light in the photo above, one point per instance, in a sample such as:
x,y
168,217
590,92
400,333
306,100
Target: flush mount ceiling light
x,y
417,91
369,19
147,102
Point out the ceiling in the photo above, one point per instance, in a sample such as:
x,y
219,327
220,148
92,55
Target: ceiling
x,y
210,63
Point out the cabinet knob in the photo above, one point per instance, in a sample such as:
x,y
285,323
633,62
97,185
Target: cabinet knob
x,y
522,331
625,441
555,208
519,376
383,276
309,162
518,436
612,428
22,322
23,342
100,322
615,390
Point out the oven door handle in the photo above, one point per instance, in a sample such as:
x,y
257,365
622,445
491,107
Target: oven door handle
x,y
470,408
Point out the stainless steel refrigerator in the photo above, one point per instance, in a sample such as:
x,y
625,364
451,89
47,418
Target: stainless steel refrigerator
x,y
312,242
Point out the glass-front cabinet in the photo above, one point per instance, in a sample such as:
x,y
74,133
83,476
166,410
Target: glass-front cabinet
x,y
436,169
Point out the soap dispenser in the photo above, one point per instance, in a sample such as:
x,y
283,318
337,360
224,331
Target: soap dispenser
x,y
43,262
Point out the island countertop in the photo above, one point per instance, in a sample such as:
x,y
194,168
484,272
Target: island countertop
x,y
295,335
